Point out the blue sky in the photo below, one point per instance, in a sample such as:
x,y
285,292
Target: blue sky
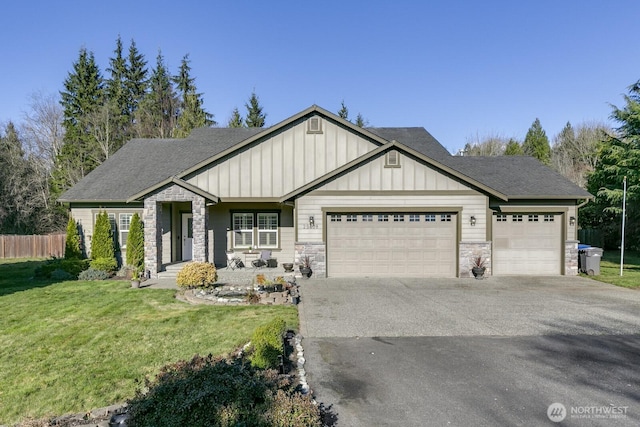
x,y
460,69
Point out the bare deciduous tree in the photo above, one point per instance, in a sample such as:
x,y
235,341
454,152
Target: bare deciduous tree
x,y
42,128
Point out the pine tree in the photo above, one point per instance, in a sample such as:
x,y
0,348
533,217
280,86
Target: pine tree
x,y
157,115
361,121
536,143
255,117
135,243
72,243
513,148
191,114
236,119
343,113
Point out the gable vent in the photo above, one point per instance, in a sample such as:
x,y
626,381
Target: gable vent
x,y
314,125
392,159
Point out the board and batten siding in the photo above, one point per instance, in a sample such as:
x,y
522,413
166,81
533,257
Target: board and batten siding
x,y
313,204
281,164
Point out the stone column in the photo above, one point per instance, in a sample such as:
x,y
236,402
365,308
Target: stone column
x,y
152,230
571,258
200,218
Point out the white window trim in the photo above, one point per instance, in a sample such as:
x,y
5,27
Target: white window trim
x,y
255,232
122,230
267,231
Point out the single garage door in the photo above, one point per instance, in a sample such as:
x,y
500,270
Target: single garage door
x,y
528,244
391,244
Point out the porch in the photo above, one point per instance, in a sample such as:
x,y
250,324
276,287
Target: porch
x,y
226,276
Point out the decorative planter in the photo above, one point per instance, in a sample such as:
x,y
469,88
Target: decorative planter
x,y
306,272
288,267
478,272
135,283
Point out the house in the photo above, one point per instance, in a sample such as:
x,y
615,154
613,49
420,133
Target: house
x,y
358,201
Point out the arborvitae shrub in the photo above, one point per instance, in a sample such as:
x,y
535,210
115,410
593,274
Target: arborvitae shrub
x,y
102,241
135,244
72,243
108,265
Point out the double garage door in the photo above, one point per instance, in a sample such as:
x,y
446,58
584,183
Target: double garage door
x,y
391,244
529,244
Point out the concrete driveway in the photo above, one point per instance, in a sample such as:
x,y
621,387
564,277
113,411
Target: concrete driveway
x,y
499,351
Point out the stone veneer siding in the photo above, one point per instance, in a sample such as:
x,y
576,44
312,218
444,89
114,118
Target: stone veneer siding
x,y
571,258
316,251
153,231
468,251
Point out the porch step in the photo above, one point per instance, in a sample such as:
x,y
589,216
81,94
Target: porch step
x,y
171,270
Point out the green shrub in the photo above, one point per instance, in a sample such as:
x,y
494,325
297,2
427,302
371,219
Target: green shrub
x,y
108,265
93,274
208,391
72,266
102,245
59,274
267,344
197,274
135,244
72,242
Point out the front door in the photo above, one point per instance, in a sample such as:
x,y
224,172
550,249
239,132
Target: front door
x,y
187,236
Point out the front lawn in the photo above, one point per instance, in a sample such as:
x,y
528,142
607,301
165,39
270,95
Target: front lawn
x,y
78,345
610,269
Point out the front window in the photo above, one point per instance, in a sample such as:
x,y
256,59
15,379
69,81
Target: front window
x,y
243,229
268,230
255,229
125,223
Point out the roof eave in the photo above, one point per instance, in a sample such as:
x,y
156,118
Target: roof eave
x,y
184,184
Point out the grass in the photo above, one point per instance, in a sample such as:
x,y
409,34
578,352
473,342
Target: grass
x,y
78,345
610,269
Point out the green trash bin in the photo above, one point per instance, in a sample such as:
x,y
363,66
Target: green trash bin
x,y
592,261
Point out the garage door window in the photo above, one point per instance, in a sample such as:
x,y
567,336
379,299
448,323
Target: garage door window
x,y
414,218
501,218
383,218
367,218
352,218
336,218
533,218
398,218
516,218
430,217
445,218
548,218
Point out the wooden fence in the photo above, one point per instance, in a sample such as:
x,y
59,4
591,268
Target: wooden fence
x,y
12,246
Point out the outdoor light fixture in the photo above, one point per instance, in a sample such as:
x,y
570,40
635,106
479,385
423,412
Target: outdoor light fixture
x,y
572,220
311,222
472,220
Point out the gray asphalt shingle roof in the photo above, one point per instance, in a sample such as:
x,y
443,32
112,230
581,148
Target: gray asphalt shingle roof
x,y
143,163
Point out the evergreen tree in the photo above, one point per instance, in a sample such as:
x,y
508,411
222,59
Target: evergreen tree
x,y
536,143
72,243
136,80
116,89
12,167
361,121
82,97
236,119
135,243
619,158
191,114
343,113
157,115
255,117
102,241
513,148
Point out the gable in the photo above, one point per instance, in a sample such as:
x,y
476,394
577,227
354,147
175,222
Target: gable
x,y
283,161
411,175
